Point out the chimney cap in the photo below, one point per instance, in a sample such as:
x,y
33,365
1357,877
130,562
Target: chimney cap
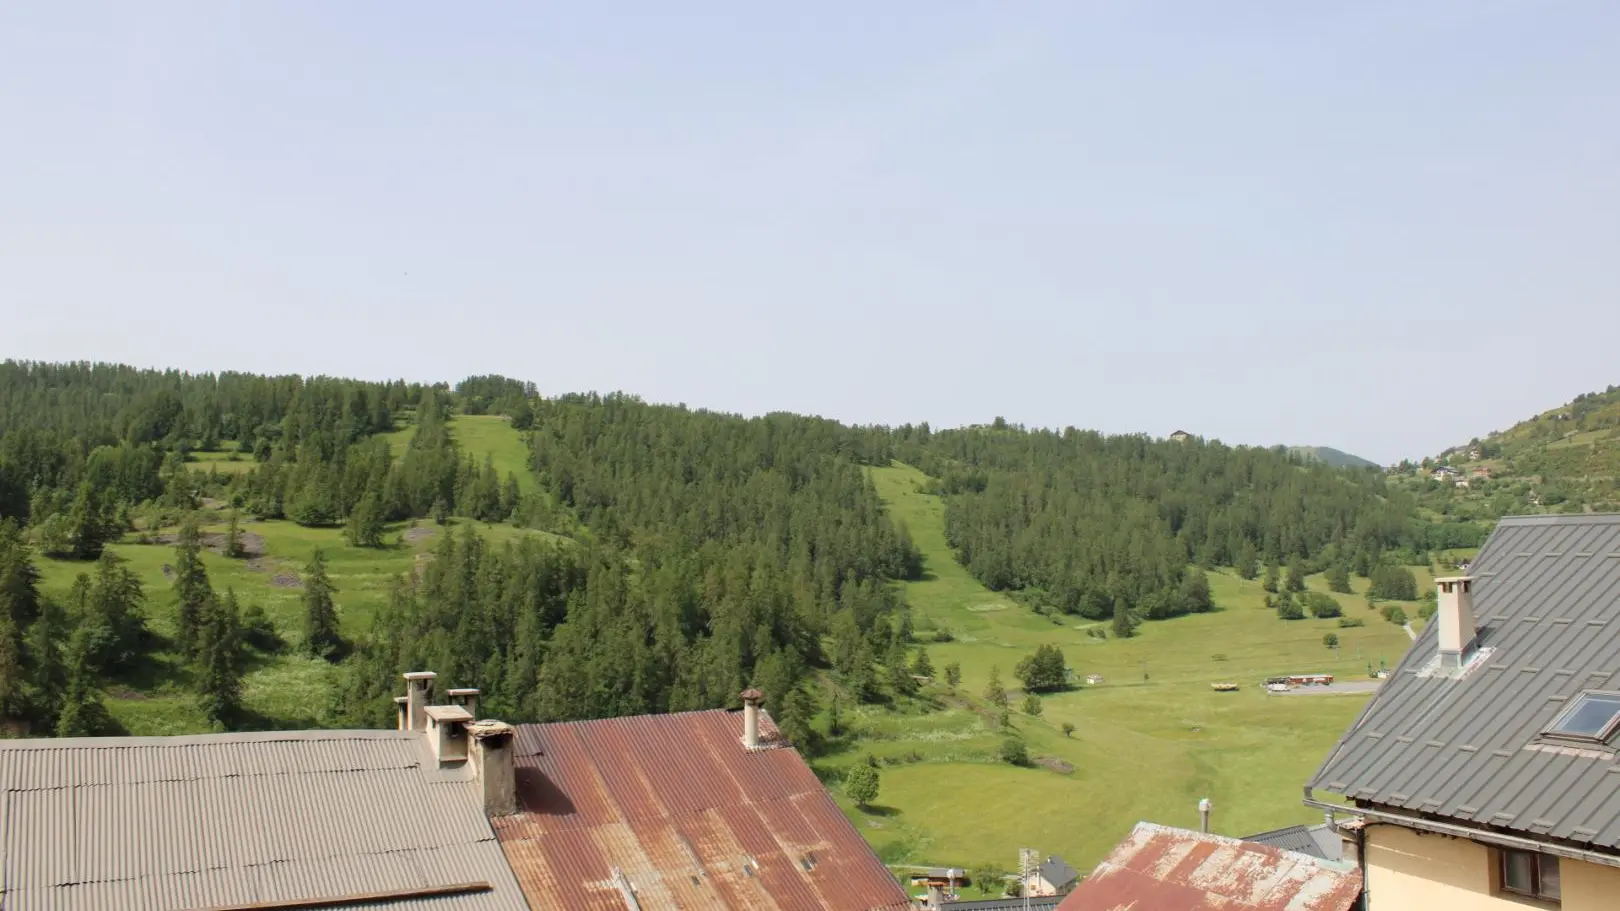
x,y
401,700
420,675
752,696
462,691
448,714
489,728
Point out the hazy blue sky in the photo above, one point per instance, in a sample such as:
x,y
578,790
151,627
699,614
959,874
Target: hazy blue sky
x,y
1381,226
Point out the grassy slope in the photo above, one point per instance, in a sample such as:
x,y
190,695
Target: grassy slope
x,y
284,690
1141,750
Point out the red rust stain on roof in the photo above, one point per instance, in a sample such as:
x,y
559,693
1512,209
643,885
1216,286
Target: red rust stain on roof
x,y
1158,868
688,816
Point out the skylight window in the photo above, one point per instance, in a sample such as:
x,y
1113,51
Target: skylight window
x,y
1592,716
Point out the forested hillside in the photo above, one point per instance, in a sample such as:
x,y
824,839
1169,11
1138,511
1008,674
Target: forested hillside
x,y
1114,526
656,558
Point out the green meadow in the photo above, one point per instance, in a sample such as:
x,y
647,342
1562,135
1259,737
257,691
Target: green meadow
x,y
1148,742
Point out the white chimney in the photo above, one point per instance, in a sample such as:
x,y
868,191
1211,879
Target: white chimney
x,y
402,713
491,753
466,697
751,701
1454,610
418,693
1204,806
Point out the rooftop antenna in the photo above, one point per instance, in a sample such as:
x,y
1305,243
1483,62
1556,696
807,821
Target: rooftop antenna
x,y
1028,863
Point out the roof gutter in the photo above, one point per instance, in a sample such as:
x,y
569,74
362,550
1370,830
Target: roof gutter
x,y
1468,832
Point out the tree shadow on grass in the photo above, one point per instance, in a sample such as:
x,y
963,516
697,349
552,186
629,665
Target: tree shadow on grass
x,y
877,809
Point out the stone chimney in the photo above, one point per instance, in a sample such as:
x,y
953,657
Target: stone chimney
x,y
418,695
1454,611
752,699
466,697
491,751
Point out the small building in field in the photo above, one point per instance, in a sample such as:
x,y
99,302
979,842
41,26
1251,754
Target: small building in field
x,y
1093,679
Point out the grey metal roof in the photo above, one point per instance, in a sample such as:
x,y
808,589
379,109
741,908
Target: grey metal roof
x,y
1057,871
158,823
1317,841
1547,601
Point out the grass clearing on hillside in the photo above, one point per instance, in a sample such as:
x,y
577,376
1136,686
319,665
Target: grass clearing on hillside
x,y
1142,748
286,690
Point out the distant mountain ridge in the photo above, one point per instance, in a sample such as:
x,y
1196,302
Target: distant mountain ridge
x,y
1330,456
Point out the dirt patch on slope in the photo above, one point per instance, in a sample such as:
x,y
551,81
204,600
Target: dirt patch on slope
x,y
417,533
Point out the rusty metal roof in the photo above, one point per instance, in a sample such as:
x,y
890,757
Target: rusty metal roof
x,y
1159,868
672,811
163,823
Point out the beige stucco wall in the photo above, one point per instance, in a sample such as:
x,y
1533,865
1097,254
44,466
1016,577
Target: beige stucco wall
x,y
1414,871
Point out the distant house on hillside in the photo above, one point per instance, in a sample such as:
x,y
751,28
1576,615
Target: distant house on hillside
x,y
1443,473
1481,471
1483,771
1052,877
1181,436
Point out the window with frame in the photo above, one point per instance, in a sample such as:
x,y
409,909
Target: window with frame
x,y
1532,874
1591,716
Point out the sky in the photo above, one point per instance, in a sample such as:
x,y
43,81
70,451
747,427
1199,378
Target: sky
x,y
1385,227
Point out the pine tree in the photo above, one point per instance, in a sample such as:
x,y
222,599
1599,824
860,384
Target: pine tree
x,y
233,539
953,675
365,527
114,610
1195,596
192,590
1248,562
321,639
994,692
13,695
48,674
1124,623
921,666
1273,576
83,713
511,497
1338,578
89,528
1296,574
219,670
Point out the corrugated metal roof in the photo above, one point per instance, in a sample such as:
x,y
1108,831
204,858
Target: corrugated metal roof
x,y
1546,598
1159,868
678,808
1317,841
160,823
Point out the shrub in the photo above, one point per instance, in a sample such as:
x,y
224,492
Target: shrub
x,y
1068,729
1013,752
1427,610
1322,606
1032,704
1331,640
1394,614
1348,622
1289,609
861,784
